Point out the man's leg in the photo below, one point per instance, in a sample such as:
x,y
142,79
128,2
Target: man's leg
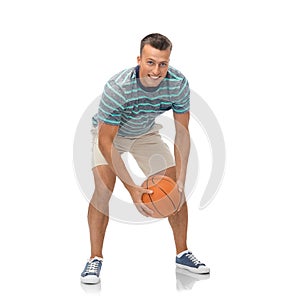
x,y
98,212
179,224
179,221
151,153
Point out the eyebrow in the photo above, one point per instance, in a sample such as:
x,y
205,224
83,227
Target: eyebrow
x,y
150,58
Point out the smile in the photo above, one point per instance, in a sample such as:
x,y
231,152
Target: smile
x,y
154,77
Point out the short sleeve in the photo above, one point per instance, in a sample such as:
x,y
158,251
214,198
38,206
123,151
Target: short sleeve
x,y
181,103
111,104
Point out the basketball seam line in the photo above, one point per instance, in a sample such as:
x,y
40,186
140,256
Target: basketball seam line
x,y
153,203
174,206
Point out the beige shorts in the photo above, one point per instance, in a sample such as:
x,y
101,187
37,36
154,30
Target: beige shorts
x,y
151,153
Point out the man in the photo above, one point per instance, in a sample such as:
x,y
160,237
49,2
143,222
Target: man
x,y
125,122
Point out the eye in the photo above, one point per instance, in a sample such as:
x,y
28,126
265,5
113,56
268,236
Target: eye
x,y
150,62
163,64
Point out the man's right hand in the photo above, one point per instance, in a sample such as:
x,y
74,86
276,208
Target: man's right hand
x,y
136,192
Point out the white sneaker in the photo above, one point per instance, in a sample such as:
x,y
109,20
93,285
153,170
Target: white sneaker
x,y
91,271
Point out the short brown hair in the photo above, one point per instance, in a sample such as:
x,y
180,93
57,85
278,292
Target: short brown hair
x,y
157,41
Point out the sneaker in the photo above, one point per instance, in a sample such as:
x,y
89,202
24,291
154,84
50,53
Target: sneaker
x,y
91,271
189,262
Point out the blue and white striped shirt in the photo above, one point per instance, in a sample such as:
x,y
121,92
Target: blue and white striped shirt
x,y
133,107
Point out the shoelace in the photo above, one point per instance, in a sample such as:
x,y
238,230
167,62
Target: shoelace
x,y
193,259
92,267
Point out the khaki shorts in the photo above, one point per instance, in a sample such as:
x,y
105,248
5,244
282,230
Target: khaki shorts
x,y
149,150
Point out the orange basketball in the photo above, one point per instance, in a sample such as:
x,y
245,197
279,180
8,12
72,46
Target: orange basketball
x,y
165,198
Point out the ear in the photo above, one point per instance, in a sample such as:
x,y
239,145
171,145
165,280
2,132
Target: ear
x,y
138,60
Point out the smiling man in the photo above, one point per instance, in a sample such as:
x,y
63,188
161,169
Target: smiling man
x,y
153,65
125,122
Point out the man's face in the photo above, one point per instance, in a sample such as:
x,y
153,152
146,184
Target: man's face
x,y
153,65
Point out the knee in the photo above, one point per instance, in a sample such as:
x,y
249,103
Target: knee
x,y
100,201
101,195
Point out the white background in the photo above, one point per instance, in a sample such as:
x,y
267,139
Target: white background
x,y
242,57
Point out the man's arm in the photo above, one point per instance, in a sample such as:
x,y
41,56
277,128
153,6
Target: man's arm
x,y
106,137
181,147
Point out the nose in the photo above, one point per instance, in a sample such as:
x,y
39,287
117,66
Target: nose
x,y
156,70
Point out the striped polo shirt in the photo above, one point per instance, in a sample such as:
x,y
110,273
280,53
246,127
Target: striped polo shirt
x,y
126,103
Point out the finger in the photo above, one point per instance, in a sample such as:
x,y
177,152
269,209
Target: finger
x,y
182,201
147,210
144,210
147,191
140,209
179,186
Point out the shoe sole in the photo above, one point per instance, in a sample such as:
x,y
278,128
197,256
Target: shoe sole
x,y
90,279
201,270
195,276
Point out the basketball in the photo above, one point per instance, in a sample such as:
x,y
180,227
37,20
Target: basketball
x,y
165,199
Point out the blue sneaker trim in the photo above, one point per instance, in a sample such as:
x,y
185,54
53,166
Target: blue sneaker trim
x,y
189,260
92,268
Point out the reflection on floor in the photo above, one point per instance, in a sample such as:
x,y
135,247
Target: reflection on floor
x,y
185,279
91,288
